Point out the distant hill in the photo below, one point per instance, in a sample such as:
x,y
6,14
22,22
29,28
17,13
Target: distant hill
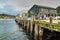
x,y
6,16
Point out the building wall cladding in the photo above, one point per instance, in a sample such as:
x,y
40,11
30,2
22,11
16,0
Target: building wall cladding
x,y
40,10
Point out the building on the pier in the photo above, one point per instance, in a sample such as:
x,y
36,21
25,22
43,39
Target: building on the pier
x,y
24,16
38,11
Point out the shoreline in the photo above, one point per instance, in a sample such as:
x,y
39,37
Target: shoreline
x,y
7,19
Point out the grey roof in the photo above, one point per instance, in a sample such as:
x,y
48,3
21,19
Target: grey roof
x,y
40,6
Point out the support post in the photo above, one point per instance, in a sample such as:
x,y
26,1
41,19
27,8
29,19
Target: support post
x,y
36,32
40,33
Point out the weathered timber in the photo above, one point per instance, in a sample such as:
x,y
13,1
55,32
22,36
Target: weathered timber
x,y
37,32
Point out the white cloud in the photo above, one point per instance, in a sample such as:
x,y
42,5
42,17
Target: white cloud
x,y
2,5
25,5
19,4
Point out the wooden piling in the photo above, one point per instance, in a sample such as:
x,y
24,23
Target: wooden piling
x,y
40,33
27,26
24,24
36,32
31,27
33,31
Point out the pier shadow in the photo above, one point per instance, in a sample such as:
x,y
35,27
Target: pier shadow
x,y
50,35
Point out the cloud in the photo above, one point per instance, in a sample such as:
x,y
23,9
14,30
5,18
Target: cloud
x,y
3,1
19,4
8,9
12,6
29,3
2,5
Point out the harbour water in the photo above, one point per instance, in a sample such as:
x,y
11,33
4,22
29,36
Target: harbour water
x,y
9,30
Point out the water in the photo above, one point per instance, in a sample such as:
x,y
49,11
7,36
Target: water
x,y
9,30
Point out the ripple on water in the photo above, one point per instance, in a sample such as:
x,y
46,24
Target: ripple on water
x,y
10,28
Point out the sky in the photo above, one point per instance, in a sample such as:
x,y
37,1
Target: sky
x,y
14,7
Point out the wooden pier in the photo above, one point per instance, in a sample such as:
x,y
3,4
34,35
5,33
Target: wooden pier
x,y
36,32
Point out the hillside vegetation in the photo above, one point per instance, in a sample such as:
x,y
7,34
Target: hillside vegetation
x,y
6,16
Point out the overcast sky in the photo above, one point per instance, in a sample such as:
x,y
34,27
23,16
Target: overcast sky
x,y
17,6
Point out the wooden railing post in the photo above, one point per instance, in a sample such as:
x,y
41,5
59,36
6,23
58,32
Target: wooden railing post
x,y
51,21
